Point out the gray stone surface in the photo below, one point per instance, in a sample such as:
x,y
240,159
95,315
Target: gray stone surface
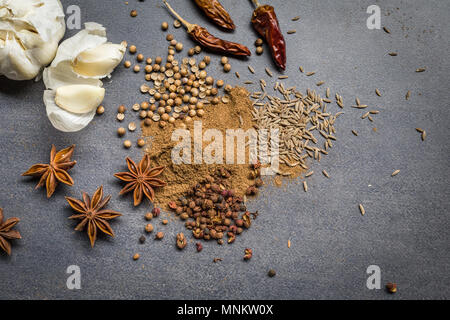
x,y
405,230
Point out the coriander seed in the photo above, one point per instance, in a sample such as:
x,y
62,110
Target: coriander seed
x,y
127,64
224,60
191,52
258,42
197,49
227,67
148,216
158,60
207,59
133,13
219,83
140,143
148,61
136,256
179,46
159,235
121,109
133,49
127,144
136,68
100,110
164,26
271,273
259,50
228,88
140,57
169,37
121,131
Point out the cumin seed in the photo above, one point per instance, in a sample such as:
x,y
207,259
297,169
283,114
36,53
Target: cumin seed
x,y
361,208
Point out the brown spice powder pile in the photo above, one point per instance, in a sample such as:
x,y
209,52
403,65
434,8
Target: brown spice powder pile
x,y
180,178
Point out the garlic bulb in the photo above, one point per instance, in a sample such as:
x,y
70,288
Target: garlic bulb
x,y
30,31
84,58
73,78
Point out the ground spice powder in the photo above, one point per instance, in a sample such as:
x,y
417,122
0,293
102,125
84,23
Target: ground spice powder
x,y
180,178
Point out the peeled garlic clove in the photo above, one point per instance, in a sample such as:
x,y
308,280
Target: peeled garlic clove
x,y
64,120
79,98
100,61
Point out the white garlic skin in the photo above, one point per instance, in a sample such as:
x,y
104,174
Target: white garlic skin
x,y
30,31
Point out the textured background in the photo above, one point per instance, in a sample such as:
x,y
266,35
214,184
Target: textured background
x,y
406,227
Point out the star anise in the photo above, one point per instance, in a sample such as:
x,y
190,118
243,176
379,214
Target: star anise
x,y
6,233
55,171
142,179
91,212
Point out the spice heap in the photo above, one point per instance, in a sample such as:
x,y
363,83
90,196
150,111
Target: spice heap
x,y
213,208
296,116
235,110
180,88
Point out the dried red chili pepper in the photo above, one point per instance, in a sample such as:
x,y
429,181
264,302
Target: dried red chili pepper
x,y
217,13
265,22
207,40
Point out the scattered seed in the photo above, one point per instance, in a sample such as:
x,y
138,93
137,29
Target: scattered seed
x,y
131,126
378,92
121,132
393,54
215,260
259,42
271,273
295,18
259,50
424,135
120,116
164,26
250,68
142,239
408,94
127,64
320,83
391,287
289,243
301,69
269,73
100,110
396,172
310,73
127,144
361,208
386,30
176,23
420,70
325,174
136,256
309,174
305,186
133,13
140,143
283,77
419,130
355,133
291,31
